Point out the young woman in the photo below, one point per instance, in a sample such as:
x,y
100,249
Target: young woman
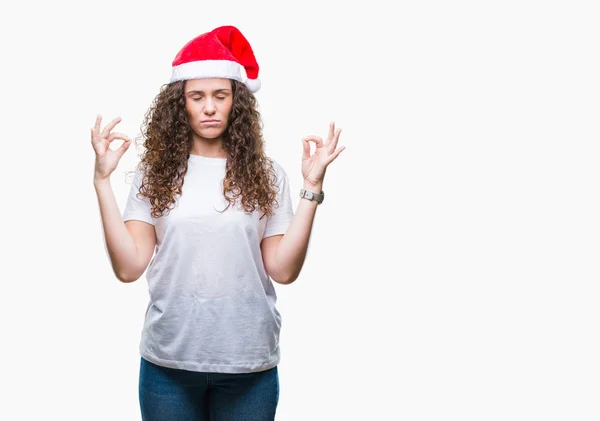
x,y
218,213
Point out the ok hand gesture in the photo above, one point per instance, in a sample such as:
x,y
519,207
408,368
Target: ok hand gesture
x,y
314,166
107,159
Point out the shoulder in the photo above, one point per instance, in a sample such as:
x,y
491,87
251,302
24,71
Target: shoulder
x,y
136,176
280,172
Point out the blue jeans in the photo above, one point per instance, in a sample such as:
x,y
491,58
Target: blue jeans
x,y
168,394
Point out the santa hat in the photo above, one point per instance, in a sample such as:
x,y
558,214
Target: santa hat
x,y
223,52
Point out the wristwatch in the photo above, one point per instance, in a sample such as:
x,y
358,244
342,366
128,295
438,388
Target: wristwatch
x,y
312,196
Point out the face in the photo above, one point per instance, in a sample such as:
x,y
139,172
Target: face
x,y
208,103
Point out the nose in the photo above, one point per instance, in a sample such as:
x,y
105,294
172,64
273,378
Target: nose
x,y
209,106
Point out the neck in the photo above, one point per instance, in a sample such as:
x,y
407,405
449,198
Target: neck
x,y
210,148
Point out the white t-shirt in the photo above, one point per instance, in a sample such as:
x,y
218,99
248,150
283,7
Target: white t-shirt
x,y
212,304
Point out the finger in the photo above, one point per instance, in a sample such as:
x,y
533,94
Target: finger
x,y
117,135
318,141
331,130
334,155
333,144
95,136
98,122
110,126
305,149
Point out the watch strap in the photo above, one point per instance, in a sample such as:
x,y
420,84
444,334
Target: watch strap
x,y
317,197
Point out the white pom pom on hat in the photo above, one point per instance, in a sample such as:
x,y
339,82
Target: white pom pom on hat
x,y
223,52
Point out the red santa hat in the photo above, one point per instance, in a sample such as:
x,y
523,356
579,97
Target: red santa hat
x,y
223,52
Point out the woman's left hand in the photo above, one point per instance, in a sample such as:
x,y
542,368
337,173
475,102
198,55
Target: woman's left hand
x,y
314,166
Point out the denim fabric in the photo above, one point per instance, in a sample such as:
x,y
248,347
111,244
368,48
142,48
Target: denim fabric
x,y
168,394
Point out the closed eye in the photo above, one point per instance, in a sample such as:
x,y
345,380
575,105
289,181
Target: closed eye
x,y
219,97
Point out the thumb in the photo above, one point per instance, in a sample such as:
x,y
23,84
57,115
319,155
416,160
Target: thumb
x,y
123,148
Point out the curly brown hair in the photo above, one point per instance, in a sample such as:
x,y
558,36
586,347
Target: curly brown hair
x,y
167,135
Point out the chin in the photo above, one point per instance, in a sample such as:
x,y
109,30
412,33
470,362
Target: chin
x,y
210,133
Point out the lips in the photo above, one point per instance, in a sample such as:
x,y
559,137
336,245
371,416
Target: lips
x,y
210,123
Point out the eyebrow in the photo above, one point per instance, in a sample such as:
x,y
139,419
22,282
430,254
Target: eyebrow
x,y
216,91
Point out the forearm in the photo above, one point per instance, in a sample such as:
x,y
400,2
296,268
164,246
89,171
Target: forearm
x,y
119,242
292,249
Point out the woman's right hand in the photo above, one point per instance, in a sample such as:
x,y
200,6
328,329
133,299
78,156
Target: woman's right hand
x,y
107,159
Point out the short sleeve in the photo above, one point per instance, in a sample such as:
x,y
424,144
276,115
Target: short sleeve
x,y
137,208
283,212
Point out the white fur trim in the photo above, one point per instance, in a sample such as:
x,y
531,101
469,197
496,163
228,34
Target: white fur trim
x,y
214,68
